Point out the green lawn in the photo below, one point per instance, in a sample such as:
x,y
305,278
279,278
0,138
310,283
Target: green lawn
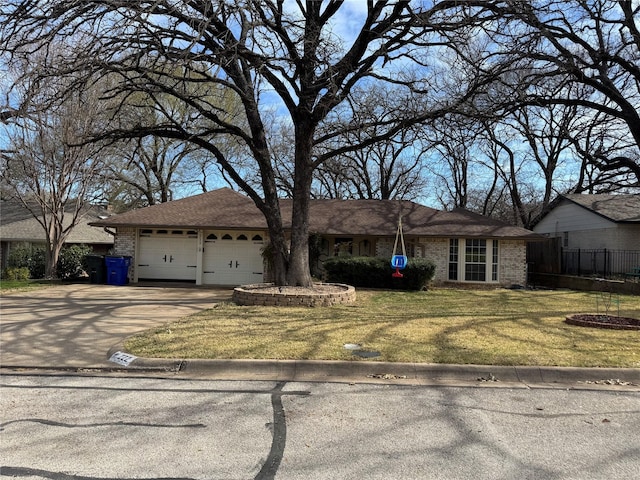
x,y
497,327
25,285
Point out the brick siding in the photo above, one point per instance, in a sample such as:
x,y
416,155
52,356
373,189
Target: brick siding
x,y
437,250
125,245
513,262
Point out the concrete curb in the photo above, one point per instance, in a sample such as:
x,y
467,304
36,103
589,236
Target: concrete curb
x,y
387,372
363,371
359,371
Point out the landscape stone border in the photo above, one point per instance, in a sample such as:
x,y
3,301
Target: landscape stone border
x,y
320,295
612,322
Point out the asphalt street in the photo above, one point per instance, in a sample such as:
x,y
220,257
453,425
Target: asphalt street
x,y
83,427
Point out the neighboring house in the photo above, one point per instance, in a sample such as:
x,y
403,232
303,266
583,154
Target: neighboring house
x,y
217,238
595,221
18,228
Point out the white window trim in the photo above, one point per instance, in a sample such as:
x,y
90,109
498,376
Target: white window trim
x,y
462,248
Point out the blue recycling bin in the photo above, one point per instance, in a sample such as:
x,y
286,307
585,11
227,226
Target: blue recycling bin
x,y
117,270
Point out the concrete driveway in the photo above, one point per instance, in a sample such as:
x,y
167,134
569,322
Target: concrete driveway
x,y
76,325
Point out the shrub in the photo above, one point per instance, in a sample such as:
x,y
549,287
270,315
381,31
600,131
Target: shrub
x,y
32,258
371,272
70,261
15,273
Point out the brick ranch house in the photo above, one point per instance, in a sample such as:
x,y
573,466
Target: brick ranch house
x,y
217,238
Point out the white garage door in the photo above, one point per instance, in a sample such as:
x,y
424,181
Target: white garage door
x,y
167,255
232,258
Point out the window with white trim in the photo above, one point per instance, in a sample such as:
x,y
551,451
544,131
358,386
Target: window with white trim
x,y
494,261
453,259
473,260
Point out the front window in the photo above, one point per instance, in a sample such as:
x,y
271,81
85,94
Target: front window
x,y
494,262
453,259
343,246
473,260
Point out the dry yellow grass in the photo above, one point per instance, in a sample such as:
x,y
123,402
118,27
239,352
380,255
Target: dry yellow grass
x,y
499,327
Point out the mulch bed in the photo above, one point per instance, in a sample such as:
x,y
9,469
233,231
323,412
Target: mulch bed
x,y
603,321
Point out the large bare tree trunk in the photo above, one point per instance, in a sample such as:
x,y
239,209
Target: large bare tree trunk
x,y
299,273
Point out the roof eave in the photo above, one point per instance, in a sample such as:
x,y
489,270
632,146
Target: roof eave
x,y
175,226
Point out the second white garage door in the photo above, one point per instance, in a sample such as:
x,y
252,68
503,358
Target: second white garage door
x,y
232,258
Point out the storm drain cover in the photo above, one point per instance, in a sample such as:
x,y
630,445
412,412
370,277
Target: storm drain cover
x,y
365,354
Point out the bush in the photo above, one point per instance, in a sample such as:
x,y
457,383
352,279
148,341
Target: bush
x,y
70,262
371,272
15,273
32,258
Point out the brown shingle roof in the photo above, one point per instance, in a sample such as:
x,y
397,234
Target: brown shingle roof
x,y
619,208
17,223
226,209
221,208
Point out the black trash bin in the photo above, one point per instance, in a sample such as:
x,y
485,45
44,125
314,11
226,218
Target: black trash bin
x,y
117,270
96,268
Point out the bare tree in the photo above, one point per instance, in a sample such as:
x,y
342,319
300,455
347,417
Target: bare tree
x,y
576,53
50,169
547,131
602,136
533,153
154,168
273,54
392,166
453,140
511,167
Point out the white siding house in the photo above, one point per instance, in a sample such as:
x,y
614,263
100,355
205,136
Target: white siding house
x,y
609,222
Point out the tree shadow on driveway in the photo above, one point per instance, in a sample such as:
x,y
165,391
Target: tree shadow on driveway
x,y
75,325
